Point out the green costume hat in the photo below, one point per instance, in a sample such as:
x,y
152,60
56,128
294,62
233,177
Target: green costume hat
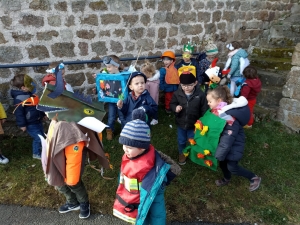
x,y
188,47
28,82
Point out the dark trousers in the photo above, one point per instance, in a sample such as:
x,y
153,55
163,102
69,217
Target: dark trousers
x,y
74,194
232,167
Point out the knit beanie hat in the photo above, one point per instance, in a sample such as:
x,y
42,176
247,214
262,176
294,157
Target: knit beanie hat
x,y
136,133
135,74
187,78
211,49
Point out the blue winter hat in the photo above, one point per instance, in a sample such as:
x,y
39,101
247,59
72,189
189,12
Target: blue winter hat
x,y
136,133
135,74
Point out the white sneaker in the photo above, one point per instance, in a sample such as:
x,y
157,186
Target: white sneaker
x,y
153,122
3,159
119,121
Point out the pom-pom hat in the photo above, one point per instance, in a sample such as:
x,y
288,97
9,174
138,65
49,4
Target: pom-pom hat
x,y
136,133
211,49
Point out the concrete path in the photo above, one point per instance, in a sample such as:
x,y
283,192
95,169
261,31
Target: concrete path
x,y
23,215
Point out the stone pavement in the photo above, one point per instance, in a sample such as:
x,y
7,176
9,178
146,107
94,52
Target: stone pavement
x,y
23,215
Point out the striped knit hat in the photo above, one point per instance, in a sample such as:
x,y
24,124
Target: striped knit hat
x,y
136,133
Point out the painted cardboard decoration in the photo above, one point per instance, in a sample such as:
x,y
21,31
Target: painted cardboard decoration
x,y
112,87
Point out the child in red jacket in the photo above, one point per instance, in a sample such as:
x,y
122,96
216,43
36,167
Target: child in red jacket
x,y
250,89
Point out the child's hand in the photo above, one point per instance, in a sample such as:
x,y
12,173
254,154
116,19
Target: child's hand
x,y
120,104
94,75
45,118
23,129
178,108
2,121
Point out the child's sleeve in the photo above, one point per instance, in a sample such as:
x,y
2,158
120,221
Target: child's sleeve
x,y
125,106
203,105
234,65
245,90
151,107
2,112
227,139
20,116
162,81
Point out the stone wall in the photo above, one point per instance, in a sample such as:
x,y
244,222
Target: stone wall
x,y
35,31
289,110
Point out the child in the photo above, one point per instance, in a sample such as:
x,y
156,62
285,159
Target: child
x,y
237,61
169,79
189,104
187,61
250,89
144,174
113,66
139,97
3,159
152,84
211,51
28,118
232,141
51,77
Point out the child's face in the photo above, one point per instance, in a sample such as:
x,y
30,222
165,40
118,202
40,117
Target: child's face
x,y
167,62
212,101
188,88
211,57
132,152
186,56
112,69
137,85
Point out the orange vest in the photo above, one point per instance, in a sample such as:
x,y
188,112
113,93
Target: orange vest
x,y
128,192
172,76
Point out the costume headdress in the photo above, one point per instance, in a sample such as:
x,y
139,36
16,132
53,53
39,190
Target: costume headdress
x,y
188,47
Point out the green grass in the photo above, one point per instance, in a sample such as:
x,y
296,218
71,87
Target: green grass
x,y
270,152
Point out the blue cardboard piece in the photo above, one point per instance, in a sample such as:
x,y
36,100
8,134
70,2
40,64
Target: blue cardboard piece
x,y
112,87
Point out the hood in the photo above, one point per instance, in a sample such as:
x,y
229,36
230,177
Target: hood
x,y
254,83
238,109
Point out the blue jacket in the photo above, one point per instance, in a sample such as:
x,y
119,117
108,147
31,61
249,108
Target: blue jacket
x,y
162,82
235,63
232,141
144,100
151,209
25,115
193,62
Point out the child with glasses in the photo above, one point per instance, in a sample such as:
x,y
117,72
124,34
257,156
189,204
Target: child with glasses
x,y
189,104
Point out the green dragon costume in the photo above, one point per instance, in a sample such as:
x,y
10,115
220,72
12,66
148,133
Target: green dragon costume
x,y
203,147
68,106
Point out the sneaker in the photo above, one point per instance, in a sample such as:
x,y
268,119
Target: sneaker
x,y
3,159
248,126
68,208
168,111
222,182
254,184
36,156
84,210
181,159
119,121
153,122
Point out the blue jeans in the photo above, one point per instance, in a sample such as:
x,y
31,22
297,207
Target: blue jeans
x,y
113,111
232,167
34,130
183,136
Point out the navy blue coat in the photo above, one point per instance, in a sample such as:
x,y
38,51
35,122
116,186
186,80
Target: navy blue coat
x,y
25,115
232,141
144,100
